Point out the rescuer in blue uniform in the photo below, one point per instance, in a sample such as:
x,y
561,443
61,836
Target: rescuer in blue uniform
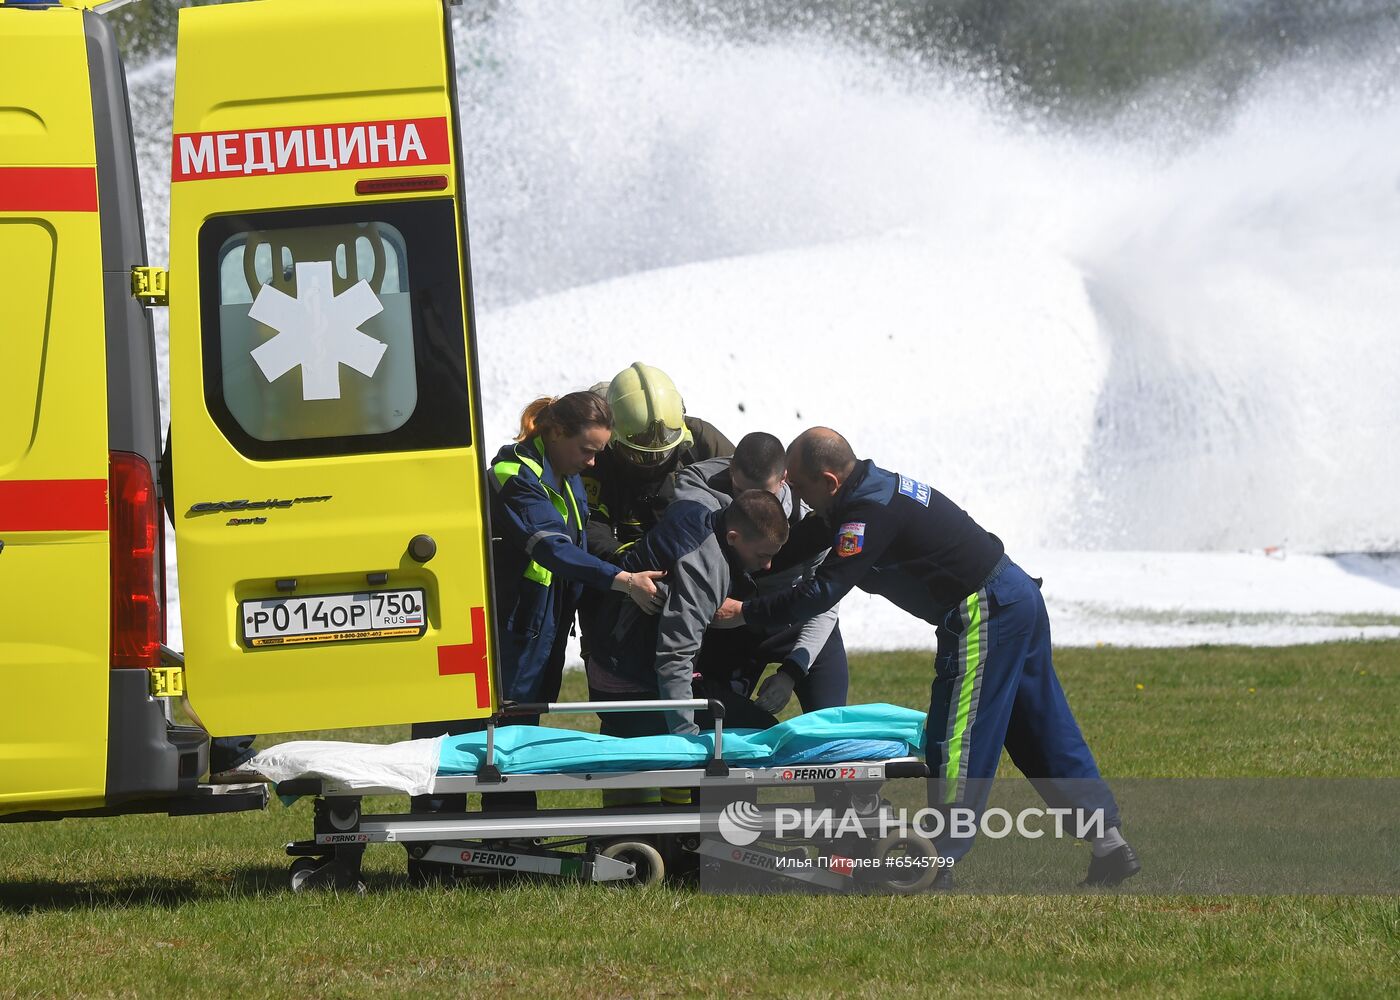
x,y
995,683
541,562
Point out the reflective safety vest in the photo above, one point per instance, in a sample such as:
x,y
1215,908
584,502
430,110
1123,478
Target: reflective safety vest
x,y
541,562
564,503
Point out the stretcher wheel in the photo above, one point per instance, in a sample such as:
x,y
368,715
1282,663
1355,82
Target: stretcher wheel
x,y
316,875
301,874
304,865
650,869
915,878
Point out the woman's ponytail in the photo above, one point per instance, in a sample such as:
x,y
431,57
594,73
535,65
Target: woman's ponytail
x,y
533,417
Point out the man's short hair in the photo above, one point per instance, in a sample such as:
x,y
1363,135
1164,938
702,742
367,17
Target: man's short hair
x,y
821,450
759,458
757,514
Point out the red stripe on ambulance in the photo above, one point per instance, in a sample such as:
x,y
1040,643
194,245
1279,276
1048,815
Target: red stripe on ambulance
x,y
470,658
299,149
53,505
48,189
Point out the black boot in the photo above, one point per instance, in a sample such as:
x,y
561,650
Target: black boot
x,y
1113,868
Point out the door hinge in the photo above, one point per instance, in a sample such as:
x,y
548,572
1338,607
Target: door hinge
x,y
150,285
167,682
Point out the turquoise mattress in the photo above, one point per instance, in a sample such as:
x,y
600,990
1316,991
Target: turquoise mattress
x,y
851,733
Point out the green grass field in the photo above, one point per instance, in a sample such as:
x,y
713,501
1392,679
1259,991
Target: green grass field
x,y
199,906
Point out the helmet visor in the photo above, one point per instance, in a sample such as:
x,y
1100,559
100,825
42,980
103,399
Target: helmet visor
x,y
656,436
643,459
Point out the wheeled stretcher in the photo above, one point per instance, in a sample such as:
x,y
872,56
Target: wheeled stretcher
x,y
838,760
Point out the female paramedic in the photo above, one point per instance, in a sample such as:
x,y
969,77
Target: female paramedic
x,y
539,513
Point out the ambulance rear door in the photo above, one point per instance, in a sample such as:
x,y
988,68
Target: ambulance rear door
x,y
329,491
55,558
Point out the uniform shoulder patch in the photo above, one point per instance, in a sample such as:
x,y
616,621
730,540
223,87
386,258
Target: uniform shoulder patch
x,y
850,539
914,490
593,490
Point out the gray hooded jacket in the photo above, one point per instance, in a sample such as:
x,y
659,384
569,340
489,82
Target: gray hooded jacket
x,y
636,654
707,483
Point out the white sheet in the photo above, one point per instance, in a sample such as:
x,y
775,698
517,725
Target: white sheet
x,y
408,766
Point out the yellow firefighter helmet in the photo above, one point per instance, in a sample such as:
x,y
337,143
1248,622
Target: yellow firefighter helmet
x,y
648,415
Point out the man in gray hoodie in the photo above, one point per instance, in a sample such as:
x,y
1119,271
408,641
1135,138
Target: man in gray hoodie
x,y
811,654
707,555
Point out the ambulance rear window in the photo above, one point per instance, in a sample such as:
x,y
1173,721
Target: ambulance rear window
x,y
335,331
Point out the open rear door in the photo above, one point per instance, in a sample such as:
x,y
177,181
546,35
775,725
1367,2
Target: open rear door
x,y
328,488
55,521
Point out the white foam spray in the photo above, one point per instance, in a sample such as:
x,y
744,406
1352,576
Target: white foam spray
x,y
1094,339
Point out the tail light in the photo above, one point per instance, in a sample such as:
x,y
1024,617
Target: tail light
x,y
138,613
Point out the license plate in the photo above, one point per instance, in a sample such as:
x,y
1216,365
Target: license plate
x,y
375,614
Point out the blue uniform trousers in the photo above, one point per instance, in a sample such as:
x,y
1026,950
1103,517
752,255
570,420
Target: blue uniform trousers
x,y
995,687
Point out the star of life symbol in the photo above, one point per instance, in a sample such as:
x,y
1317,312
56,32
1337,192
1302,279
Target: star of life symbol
x,y
317,330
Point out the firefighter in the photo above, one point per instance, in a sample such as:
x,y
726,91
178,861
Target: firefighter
x,y
632,482
995,682
652,440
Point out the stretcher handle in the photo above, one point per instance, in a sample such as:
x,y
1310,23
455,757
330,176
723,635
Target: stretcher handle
x,y
578,707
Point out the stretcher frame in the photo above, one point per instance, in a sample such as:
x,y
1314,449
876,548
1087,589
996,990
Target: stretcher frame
x,y
619,842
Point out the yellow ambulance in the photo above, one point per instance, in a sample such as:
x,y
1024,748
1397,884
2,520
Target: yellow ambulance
x,y
325,469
